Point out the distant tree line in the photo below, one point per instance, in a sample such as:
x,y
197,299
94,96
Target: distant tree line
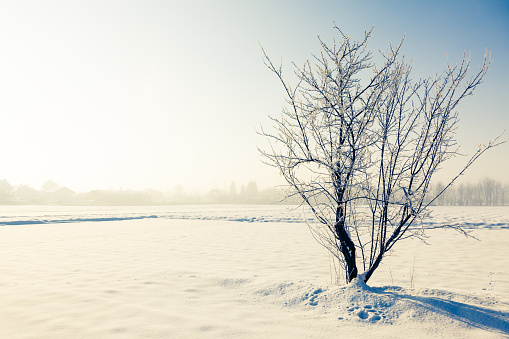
x,y
50,193
54,194
246,194
486,192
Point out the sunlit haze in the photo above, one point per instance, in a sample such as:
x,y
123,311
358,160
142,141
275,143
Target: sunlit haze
x,y
153,94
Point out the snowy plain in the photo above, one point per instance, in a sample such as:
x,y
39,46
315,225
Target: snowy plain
x,y
240,271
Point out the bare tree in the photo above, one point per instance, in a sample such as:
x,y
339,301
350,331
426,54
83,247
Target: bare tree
x,y
359,144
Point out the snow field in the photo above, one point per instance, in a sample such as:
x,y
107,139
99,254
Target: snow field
x,y
162,278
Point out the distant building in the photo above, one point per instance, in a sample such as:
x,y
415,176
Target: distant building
x,y
26,195
59,195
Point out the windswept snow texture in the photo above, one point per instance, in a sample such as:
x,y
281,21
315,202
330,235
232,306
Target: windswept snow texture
x,y
26,215
466,217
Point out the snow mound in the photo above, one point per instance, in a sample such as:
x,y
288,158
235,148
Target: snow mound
x,y
386,305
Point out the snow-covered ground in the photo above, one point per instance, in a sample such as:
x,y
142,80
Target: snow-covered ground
x,y
240,271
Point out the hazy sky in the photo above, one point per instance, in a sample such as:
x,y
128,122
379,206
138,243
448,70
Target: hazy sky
x,y
151,94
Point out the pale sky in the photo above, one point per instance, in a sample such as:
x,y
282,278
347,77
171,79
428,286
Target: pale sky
x,y
151,94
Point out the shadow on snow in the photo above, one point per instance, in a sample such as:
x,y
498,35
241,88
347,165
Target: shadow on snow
x,y
472,315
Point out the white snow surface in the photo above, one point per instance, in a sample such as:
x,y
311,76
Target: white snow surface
x,y
469,217
240,271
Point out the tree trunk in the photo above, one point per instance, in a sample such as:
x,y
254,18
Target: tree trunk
x,y
373,267
348,250
347,246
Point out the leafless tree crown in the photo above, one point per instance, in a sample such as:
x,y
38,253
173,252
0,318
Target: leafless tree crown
x,y
359,143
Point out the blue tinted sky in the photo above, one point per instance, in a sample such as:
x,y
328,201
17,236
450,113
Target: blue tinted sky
x,y
139,94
